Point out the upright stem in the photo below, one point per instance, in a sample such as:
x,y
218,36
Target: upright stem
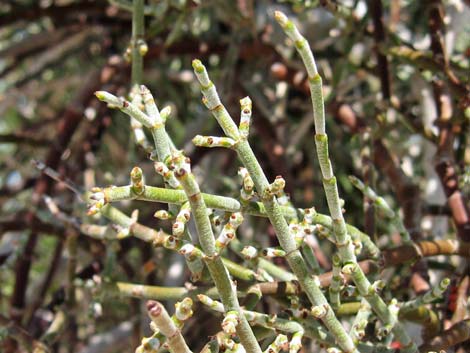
x,y
213,260
166,325
310,284
343,239
288,244
137,36
183,173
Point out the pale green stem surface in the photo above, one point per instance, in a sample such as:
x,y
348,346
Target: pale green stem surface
x,y
336,281
435,293
167,326
218,271
137,34
273,210
384,206
360,321
343,239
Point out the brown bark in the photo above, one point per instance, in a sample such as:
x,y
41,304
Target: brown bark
x,y
376,12
458,333
445,165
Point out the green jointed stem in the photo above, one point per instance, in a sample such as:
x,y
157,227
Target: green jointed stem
x,y
336,282
137,69
334,203
167,326
213,102
239,271
137,42
297,263
343,240
253,297
156,194
162,140
163,148
360,321
214,263
371,249
138,230
383,206
127,107
145,292
435,293
139,135
321,141
131,227
191,191
269,267
258,209
310,258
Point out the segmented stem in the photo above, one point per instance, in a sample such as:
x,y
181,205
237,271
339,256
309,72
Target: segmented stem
x,y
288,243
217,269
343,239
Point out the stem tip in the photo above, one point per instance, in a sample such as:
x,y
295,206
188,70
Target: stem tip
x,y
198,66
281,18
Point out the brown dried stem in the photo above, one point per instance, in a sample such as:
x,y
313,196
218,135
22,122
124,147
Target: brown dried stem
x,y
458,333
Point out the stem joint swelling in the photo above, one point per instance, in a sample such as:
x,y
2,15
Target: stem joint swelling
x,y
292,231
217,269
273,210
347,253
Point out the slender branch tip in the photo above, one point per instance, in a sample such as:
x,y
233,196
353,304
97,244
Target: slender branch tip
x,y
281,18
198,66
245,102
104,96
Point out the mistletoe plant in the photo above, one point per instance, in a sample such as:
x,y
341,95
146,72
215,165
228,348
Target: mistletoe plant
x,y
316,300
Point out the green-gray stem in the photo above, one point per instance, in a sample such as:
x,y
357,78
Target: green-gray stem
x,y
213,260
294,258
343,239
137,34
